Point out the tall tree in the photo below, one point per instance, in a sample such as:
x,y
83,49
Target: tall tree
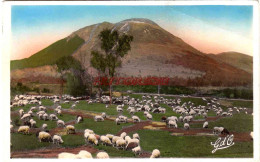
x,y
115,47
64,65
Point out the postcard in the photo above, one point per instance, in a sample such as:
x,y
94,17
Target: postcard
x,y
132,80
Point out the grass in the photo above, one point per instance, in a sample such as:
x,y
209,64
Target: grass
x,y
25,108
189,146
71,140
26,142
238,123
49,55
97,107
66,105
100,128
113,152
239,103
47,102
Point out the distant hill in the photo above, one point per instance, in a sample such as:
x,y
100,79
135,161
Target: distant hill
x,y
49,55
154,52
238,60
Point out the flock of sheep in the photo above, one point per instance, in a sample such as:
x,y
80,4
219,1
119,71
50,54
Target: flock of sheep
x,y
149,105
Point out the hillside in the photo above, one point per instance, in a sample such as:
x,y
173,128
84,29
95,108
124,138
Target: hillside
x,y
154,52
50,54
238,60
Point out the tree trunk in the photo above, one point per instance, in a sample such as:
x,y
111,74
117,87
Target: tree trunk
x,y
110,92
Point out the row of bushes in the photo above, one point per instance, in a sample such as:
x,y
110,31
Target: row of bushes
x,y
19,88
234,93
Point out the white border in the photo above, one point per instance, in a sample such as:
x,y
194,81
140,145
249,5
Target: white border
x,y
5,64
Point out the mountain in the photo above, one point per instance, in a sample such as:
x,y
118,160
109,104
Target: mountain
x,y
154,52
238,60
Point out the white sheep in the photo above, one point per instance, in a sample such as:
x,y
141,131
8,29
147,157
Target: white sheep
x,y
252,135
217,130
57,139
53,117
136,150
115,138
155,154
123,135
44,126
105,140
66,155
98,118
92,139
21,112
60,123
121,143
136,119
206,124
24,129
110,136
70,129
186,126
89,131
136,136
172,123
32,123
44,136
84,155
45,116
104,115
102,155
149,116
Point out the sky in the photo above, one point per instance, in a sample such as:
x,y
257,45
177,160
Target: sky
x,y
210,29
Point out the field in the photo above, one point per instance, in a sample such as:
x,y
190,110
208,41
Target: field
x,y
154,134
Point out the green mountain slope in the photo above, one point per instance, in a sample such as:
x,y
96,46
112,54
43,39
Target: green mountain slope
x,y
49,55
238,60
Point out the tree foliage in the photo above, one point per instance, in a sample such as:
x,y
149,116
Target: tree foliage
x,y
115,46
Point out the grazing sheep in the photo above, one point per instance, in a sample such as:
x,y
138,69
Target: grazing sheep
x,y
92,139
98,118
66,155
45,116
181,118
70,129
102,155
104,115
149,116
79,118
57,139
21,112
105,140
60,123
155,154
136,150
136,119
186,126
123,135
89,131
53,117
136,136
84,155
173,124
24,129
121,143
225,131
117,120
217,130
252,135
206,125
44,126
110,136
115,138
44,136
26,117
32,123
